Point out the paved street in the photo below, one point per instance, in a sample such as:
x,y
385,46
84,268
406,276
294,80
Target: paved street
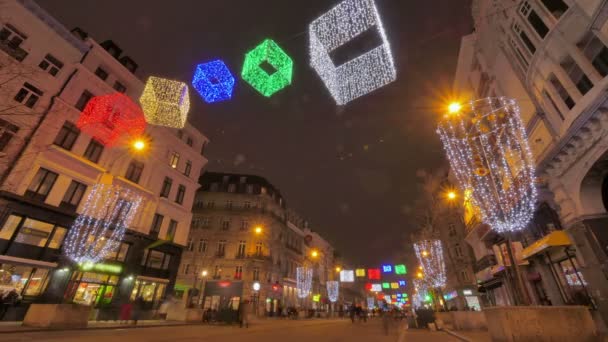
x,y
292,331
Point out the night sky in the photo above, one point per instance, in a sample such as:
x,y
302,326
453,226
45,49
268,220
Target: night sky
x,y
352,171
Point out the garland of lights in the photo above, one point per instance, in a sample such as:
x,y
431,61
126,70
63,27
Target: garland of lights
x,y
371,303
97,231
430,257
488,150
360,75
111,118
303,281
333,290
165,102
213,81
420,292
271,54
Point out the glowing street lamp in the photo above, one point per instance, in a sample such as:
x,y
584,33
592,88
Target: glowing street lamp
x,y
314,254
258,230
454,108
451,195
338,268
139,145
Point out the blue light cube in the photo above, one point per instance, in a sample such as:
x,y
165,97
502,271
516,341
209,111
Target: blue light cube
x,y
213,81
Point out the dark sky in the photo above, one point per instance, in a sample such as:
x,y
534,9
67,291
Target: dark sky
x,y
352,171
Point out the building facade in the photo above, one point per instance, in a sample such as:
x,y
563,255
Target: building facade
x,y
552,57
51,168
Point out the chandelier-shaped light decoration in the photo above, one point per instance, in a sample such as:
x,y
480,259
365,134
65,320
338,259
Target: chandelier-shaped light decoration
x,y
430,257
213,81
112,118
488,150
303,281
420,292
347,276
267,68
333,290
371,303
97,231
363,74
165,102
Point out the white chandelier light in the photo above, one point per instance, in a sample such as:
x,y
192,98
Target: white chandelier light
x,y
362,74
488,150
371,303
97,231
430,257
303,281
333,290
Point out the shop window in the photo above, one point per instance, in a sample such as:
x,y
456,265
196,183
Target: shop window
x,y
90,288
34,232
58,237
36,283
25,280
41,185
73,195
93,151
9,227
150,292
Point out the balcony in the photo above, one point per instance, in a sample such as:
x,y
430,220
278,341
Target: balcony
x,y
220,254
485,262
14,51
258,256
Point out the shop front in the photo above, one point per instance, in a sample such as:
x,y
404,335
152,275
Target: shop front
x,y
94,284
151,290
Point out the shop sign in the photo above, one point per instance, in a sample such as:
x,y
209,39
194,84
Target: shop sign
x,y
101,267
467,292
450,295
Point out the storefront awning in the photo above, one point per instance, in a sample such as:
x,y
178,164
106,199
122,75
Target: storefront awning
x,y
553,239
28,262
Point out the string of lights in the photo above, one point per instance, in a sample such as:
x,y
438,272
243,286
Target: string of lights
x,y
97,231
333,290
165,102
213,81
303,281
488,150
267,82
360,75
430,256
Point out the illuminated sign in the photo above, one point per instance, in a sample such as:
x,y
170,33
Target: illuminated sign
x,y
104,268
467,292
223,283
347,276
400,269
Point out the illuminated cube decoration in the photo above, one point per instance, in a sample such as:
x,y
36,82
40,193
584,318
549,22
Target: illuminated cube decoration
x,y
347,276
400,269
362,74
373,274
386,285
394,285
376,288
278,64
213,81
110,118
368,286
402,283
165,102
360,272
387,268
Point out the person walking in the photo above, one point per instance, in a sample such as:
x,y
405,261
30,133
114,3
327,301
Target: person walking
x,y
244,313
138,306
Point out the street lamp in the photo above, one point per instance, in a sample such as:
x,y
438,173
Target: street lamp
x,y
204,274
338,268
258,230
314,253
139,144
454,108
451,195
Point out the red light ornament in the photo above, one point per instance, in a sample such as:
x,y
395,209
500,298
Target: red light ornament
x,y
373,274
109,118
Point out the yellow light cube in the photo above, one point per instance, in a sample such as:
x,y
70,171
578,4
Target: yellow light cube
x,y
165,102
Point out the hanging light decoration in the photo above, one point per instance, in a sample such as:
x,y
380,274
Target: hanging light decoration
x,y
376,288
267,68
347,276
371,303
400,269
430,257
213,81
112,118
373,274
303,281
360,272
360,75
420,292
333,290
97,231
486,144
165,102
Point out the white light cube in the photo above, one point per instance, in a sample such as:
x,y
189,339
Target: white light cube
x,y
362,74
347,276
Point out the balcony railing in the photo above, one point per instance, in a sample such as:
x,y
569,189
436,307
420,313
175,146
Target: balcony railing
x,y
13,51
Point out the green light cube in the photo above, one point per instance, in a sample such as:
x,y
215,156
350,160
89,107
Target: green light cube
x,y
386,285
265,82
400,269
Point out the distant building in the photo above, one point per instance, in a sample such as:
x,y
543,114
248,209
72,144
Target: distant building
x,y
50,167
552,57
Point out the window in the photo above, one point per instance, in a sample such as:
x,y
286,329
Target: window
x,y
17,276
190,245
180,134
250,189
596,52
244,225
188,168
119,87
189,141
93,151
174,160
225,224
535,21
214,187
221,248
523,61
186,268
134,171
210,205
67,136
247,205
231,187
83,100
217,273
238,272
576,74
241,249
205,222
229,204
156,259
553,104
50,64
171,230
41,185
452,229
7,132
28,95
157,222
101,73
8,229
464,275
256,273
202,246
34,232
524,38
12,36
258,248
458,251
166,189
119,253
556,7
561,91
203,147
181,191
73,195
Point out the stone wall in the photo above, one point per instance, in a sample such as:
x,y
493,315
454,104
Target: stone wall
x,y
540,323
57,316
469,320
